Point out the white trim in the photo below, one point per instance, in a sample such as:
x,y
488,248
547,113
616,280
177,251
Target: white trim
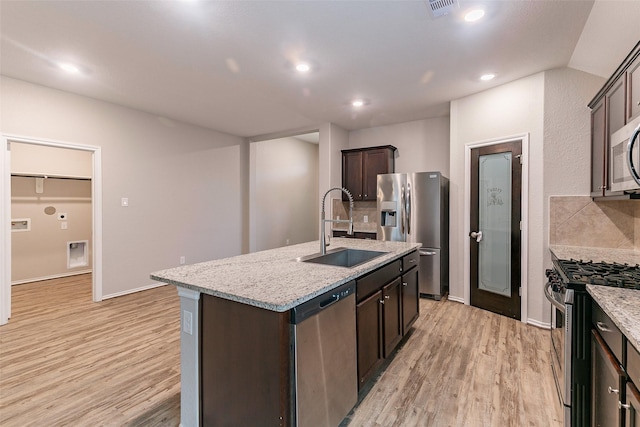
x,y
524,214
539,324
5,211
456,299
53,276
132,291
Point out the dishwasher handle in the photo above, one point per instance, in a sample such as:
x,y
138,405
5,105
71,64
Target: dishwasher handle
x,y
322,302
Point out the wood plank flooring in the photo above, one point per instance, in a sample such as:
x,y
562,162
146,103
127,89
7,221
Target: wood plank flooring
x,y
65,360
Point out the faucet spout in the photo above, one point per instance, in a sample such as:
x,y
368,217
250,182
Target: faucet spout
x,y
323,237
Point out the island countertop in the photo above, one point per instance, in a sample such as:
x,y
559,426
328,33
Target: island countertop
x,y
273,279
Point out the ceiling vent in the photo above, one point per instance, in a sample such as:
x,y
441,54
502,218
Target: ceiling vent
x,y
442,7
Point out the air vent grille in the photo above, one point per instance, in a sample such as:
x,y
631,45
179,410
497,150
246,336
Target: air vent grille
x,y
442,7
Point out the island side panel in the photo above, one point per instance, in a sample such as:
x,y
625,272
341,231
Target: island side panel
x,y
189,357
245,364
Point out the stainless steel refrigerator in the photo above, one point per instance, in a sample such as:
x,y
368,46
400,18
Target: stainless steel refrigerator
x,y
414,207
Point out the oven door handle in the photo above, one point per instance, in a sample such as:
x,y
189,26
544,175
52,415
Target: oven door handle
x,y
552,300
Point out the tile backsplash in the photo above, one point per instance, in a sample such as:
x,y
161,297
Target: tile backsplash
x,y
360,210
579,221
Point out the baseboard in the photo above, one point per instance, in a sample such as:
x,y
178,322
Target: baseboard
x,y
53,276
131,291
538,324
455,299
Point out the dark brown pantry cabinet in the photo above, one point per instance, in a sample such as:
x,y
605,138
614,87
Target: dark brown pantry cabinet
x,y
387,302
361,167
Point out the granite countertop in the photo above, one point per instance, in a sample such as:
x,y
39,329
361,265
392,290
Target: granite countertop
x,y
623,306
273,279
621,256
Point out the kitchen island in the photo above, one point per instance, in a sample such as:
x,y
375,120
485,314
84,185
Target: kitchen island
x,y
236,318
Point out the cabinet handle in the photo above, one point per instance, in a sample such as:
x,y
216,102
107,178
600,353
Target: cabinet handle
x,y
623,405
603,328
404,283
638,104
365,195
386,297
613,390
381,301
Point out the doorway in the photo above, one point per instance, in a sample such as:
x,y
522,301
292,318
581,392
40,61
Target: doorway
x,y
495,218
5,216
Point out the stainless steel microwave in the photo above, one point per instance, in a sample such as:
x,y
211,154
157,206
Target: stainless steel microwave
x,y
624,158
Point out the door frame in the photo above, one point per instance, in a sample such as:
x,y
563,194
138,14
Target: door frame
x,y
5,215
524,232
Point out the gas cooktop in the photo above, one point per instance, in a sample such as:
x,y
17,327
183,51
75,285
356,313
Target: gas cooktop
x,y
600,273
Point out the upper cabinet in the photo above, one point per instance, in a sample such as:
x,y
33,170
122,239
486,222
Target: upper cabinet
x,y
361,167
613,106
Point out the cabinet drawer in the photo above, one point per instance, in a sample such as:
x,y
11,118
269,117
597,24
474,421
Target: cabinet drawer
x,y
372,282
633,363
608,330
410,261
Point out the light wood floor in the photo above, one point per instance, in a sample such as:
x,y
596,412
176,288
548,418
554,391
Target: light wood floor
x,y
65,360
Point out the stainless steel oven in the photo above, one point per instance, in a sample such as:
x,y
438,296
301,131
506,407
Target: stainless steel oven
x,y
561,300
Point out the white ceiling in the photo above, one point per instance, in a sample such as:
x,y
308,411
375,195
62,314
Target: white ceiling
x,y
229,65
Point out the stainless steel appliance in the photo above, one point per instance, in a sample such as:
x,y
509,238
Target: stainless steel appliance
x,y
624,159
570,332
325,360
414,207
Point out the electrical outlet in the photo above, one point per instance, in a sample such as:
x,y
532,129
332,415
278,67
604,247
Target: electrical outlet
x,y
338,217
366,218
182,260
63,225
62,216
287,242
187,322
124,202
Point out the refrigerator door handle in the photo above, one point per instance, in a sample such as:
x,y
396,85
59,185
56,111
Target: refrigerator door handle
x,y
403,214
408,208
426,253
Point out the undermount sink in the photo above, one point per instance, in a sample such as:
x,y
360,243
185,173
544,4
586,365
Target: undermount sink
x,y
342,257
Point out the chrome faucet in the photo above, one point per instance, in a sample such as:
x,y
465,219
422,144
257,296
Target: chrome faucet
x,y
323,237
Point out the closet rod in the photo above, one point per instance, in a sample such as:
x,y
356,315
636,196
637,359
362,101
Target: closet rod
x,y
22,175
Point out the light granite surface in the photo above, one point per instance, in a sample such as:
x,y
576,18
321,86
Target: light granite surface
x,y
273,279
623,306
584,253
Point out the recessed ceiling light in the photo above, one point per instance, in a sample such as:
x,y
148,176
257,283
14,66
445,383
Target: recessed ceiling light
x,y
474,15
70,68
487,77
302,67
357,103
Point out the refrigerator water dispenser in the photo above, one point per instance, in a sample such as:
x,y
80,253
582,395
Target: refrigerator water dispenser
x,y
388,214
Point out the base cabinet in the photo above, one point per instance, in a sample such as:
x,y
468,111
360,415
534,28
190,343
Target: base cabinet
x,y
607,378
387,306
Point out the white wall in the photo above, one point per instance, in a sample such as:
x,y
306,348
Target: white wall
x,y
423,145
286,192
183,182
512,109
53,161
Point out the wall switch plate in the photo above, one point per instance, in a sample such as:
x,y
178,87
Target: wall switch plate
x,y
182,260
187,322
366,218
125,202
63,225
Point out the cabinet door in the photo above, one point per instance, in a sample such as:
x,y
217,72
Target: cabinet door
x,y
352,174
632,408
369,335
410,299
607,378
598,145
633,89
616,119
392,317
374,162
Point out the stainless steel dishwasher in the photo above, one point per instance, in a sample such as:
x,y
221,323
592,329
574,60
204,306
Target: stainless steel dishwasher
x,y
325,360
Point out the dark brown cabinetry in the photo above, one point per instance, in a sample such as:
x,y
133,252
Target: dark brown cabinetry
x,y
633,90
611,109
361,167
607,379
387,306
355,235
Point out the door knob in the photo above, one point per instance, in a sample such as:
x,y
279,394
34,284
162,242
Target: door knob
x,y
476,235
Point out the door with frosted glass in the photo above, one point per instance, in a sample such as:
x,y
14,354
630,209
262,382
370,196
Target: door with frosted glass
x,y
496,177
